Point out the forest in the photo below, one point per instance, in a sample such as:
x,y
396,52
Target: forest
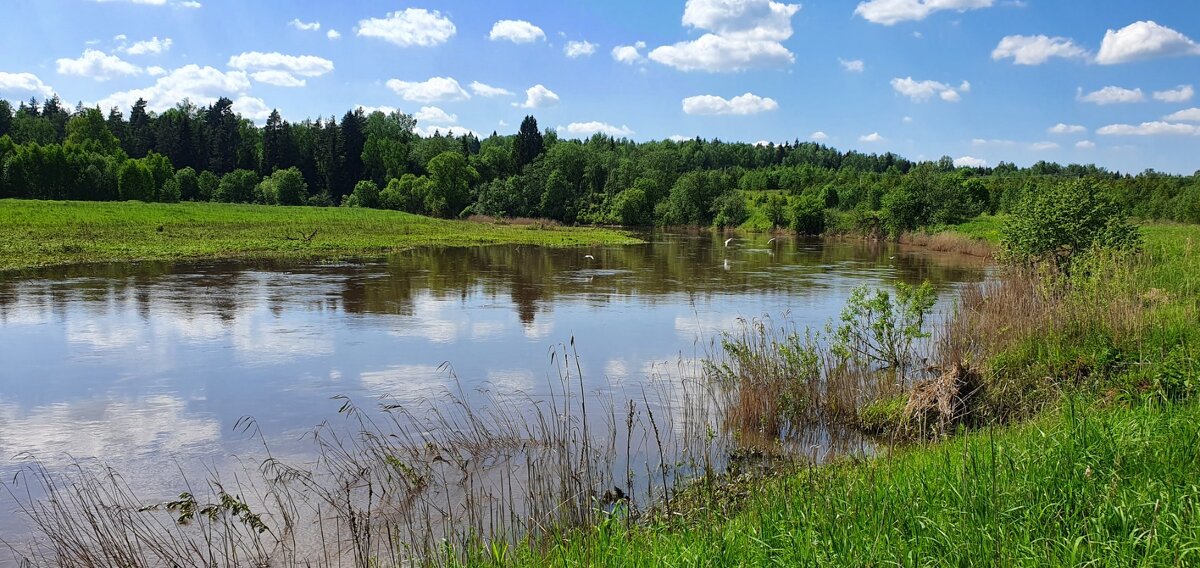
x,y
377,160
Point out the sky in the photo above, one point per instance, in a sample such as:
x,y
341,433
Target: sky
x,y
1109,82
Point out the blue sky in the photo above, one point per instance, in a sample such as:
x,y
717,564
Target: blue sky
x,y
979,80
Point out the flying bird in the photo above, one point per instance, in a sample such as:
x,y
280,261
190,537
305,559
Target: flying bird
x,y
729,240
771,241
589,257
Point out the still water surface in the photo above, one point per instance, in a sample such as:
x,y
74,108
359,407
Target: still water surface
x,y
149,366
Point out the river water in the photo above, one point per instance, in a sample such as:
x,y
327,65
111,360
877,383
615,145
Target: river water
x,y
147,367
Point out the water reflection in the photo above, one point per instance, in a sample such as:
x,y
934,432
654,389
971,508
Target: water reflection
x,y
149,361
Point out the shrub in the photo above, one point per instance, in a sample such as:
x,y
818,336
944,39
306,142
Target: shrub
x,y
1058,223
808,215
135,181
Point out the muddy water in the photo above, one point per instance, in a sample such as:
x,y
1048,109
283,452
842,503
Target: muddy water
x,y
148,367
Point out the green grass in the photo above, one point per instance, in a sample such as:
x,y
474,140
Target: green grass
x,y
983,227
44,233
1082,485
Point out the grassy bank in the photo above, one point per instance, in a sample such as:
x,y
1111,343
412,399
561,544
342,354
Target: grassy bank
x,y
1113,486
43,233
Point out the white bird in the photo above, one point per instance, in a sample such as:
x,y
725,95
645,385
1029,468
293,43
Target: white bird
x,y
771,241
589,257
729,240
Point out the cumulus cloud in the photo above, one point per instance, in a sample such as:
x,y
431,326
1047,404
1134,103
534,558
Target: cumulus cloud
x,y
434,89
1036,50
970,162
745,104
488,91
852,65
201,85
1062,128
410,27
629,54
575,49
743,34
1180,94
1043,146
1112,95
435,115
921,91
1189,115
871,138
714,54
305,26
1143,40
818,136
538,96
152,46
678,138
1085,144
333,34
252,108
516,31
891,12
97,65
25,82
587,129
279,69
1156,128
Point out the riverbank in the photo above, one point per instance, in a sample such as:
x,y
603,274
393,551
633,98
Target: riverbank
x,y
1079,444
48,233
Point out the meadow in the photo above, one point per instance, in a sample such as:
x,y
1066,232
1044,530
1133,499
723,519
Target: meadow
x,y
46,233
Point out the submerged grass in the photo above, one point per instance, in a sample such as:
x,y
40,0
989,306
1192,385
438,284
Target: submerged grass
x,y
44,233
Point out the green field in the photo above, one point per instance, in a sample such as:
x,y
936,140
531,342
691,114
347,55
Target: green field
x,y
45,233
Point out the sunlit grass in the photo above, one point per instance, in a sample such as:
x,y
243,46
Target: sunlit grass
x,y
42,233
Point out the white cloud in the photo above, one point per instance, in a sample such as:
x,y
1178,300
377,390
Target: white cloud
x,y
1043,146
818,136
27,82
1085,144
452,130
970,162
155,71
435,89
1062,128
744,34
411,27
1180,94
714,53
152,46
97,65
1036,50
190,4
516,31
1112,95
1188,115
992,142
252,108
761,20
628,54
146,2
435,115
538,96
745,104
278,78
1150,129
279,69
587,129
575,49
201,85
907,120
1143,40
333,34
373,109
852,65
305,26
488,91
921,91
871,138
679,138
891,12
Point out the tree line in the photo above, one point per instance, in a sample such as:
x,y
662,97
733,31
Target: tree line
x,y
378,160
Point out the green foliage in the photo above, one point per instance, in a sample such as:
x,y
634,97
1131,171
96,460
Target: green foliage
x,y
135,181
1062,221
632,208
284,187
776,210
89,130
207,184
730,210
450,179
237,187
808,215
366,194
188,183
879,328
